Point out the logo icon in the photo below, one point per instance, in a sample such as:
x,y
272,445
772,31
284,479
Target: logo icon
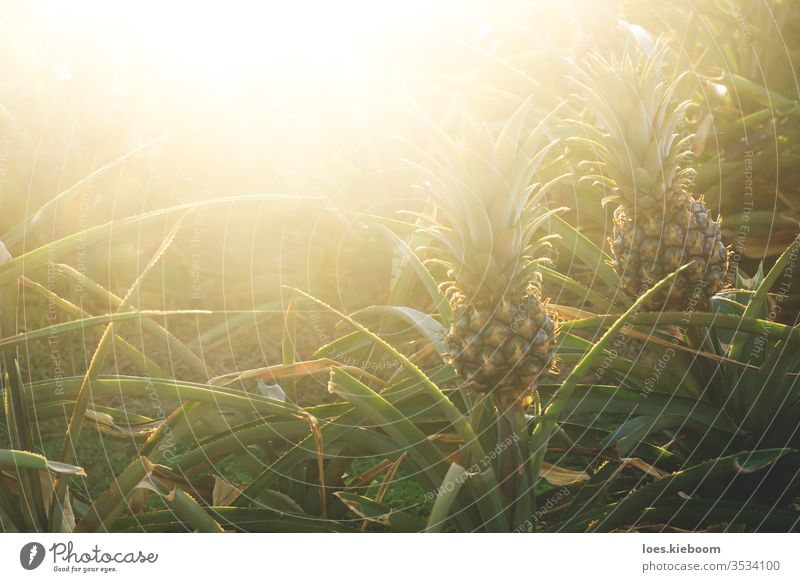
x,y
31,555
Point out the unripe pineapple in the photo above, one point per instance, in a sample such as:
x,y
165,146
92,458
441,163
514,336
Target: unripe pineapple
x,y
487,211
641,156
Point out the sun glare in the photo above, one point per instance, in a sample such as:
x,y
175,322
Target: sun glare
x,y
227,43
399,266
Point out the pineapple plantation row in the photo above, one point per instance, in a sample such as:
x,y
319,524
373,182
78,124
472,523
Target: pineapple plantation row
x,y
523,370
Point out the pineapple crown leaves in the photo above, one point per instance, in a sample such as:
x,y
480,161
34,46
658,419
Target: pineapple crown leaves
x,y
488,208
634,143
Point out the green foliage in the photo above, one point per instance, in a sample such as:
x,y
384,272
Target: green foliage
x,y
657,421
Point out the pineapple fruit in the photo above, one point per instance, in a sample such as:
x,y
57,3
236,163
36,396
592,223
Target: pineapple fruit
x,y
643,159
502,334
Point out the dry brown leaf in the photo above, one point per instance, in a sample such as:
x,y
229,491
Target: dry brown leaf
x,y
446,437
277,372
644,467
224,493
387,480
139,500
567,312
373,473
676,346
560,477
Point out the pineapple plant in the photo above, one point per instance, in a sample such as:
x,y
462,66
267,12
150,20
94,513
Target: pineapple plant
x,y
641,157
502,332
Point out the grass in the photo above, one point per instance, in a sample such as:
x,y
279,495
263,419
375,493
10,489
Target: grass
x,y
404,494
